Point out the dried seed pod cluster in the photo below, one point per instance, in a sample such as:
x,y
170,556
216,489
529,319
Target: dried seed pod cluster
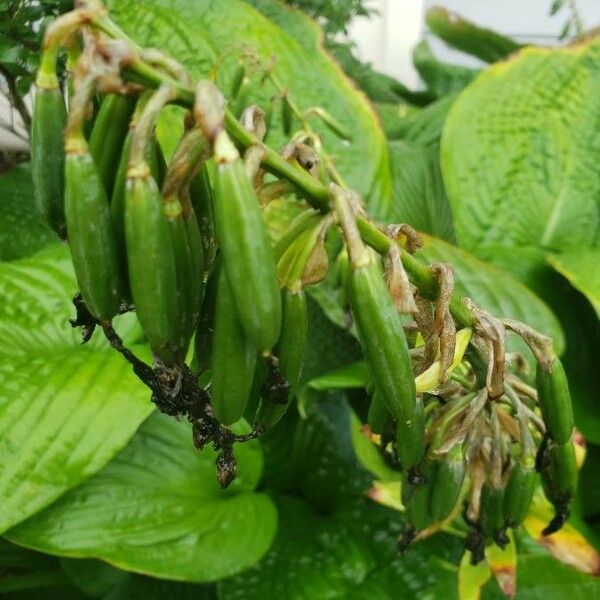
x,y
185,246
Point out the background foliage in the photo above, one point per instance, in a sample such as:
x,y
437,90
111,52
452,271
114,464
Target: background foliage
x,y
102,499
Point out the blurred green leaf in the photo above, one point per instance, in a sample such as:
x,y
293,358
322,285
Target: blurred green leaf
x,y
419,194
582,268
65,411
441,78
22,230
158,509
543,577
98,579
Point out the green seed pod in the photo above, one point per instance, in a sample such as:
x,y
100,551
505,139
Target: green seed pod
x,y
242,97
238,78
196,275
202,198
290,350
151,264
91,236
233,359
559,481
343,266
519,493
382,338
491,515
183,295
47,153
117,203
417,497
555,401
448,484
287,115
386,352
245,248
410,434
108,135
378,416
203,340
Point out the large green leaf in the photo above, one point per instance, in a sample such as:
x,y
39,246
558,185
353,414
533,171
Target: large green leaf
x,y
348,555
441,78
495,290
196,33
582,268
541,577
98,579
520,151
65,410
22,230
419,194
157,509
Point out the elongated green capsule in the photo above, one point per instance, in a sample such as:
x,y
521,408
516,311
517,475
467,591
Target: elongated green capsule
x,y
91,236
186,310
519,493
386,352
378,416
290,351
233,359
242,96
410,435
491,515
202,198
203,340
245,249
238,78
287,115
559,481
417,497
555,401
151,264
108,134
448,484
197,276
47,152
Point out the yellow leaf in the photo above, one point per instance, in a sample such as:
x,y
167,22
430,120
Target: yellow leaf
x,y
503,564
429,380
386,493
567,545
472,578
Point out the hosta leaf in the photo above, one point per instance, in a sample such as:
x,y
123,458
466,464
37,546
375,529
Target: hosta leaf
x,y
196,33
582,268
520,151
350,554
98,579
495,290
65,410
442,78
419,195
157,509
540,576
22,230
